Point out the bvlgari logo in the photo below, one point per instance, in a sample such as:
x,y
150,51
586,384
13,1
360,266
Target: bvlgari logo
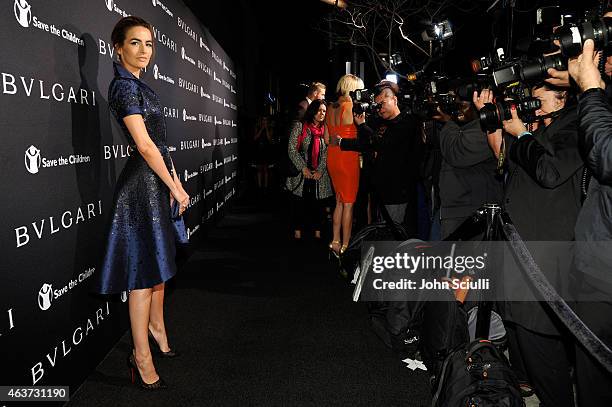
x,y
23,13
188,86
12,85
32,160
164,39
84,330
48,226
45,296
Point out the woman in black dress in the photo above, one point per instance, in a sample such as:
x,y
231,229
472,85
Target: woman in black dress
x,y
140,252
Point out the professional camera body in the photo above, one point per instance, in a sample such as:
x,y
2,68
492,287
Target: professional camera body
x,y
427,95
505,72
363,101
492,114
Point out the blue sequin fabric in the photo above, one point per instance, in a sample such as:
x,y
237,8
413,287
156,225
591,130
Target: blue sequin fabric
x,y
140,249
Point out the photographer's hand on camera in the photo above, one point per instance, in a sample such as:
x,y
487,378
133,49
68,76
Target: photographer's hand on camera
x,y
479,99
515,126
558,78
584,68
359,119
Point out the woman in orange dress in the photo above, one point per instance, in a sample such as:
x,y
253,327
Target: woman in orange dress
x,y
343,166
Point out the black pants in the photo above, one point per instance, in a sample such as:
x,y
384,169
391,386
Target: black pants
x,y
593,382
546,362
307,211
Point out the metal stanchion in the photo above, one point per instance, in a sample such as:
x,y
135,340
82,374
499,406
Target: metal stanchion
x,y
485,303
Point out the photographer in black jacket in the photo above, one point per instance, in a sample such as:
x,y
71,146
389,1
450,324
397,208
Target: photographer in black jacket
x,y
467,176
594,227
396,145
543,198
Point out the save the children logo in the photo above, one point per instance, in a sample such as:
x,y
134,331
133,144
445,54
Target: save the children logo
x,y
23,13
32,160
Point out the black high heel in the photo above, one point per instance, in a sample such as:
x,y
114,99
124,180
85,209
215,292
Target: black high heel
x,y
158,385
170,354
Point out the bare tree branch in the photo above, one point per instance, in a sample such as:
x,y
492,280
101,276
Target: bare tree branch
x,y
383,27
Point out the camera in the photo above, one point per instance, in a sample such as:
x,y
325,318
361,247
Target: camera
x,y
492,114
483,64
363,101
427,106
572,37
527,70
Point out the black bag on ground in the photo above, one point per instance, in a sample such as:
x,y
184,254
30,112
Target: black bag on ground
x,y
477,375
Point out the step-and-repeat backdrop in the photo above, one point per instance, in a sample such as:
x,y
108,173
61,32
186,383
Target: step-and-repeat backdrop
x,y
62,152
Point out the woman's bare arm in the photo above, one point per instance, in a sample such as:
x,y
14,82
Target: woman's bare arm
x,y
148,150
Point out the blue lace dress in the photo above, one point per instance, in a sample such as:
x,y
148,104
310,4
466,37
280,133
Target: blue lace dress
x,y
140,249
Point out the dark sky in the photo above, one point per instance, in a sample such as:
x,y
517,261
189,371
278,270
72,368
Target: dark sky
x,y
272,42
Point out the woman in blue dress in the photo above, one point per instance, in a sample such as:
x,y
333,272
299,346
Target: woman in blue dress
x,y
140,251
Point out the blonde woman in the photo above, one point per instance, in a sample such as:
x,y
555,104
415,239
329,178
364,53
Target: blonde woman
x,y
343,166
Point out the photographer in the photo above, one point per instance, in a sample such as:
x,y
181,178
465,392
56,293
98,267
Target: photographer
x,y
467,175
594,227
543,198
396,146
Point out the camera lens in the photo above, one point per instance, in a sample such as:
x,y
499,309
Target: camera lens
x,y
537,69
489,117
572,37
492,115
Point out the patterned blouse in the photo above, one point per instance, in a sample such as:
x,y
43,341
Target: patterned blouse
x,y
296,184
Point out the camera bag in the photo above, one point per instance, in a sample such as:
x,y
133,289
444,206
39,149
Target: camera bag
x,y
477,375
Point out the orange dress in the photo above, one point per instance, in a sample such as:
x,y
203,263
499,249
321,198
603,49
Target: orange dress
x,y
342,166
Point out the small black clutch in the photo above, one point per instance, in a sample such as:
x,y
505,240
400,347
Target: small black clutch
x,y
178,224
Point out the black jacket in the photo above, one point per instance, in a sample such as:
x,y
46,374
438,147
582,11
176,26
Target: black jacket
x,y
543,195
395,166
467,176
543,198
594,226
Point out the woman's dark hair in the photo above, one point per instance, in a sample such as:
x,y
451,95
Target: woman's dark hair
x,y
121,28
312,110
566,94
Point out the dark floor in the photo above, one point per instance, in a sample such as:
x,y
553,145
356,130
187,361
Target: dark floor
x,y
262,322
